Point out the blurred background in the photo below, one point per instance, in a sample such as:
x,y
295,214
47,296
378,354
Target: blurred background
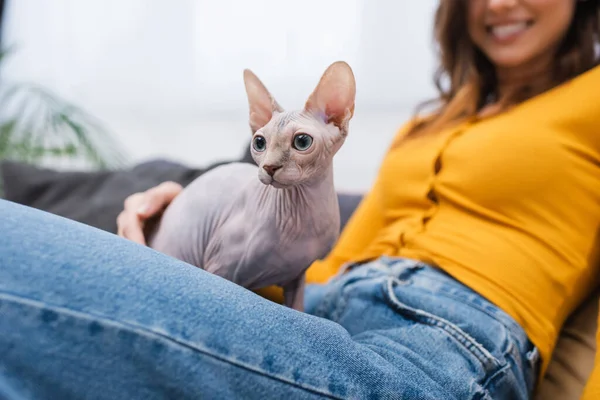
x,y
94,84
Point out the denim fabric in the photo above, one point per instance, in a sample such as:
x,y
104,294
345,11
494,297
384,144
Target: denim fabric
x,y
87,315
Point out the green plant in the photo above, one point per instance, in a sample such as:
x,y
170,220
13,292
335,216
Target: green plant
x,y
37,126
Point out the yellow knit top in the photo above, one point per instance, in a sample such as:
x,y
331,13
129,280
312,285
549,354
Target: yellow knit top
x,y
508,205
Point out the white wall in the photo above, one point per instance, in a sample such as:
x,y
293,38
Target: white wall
x,y
166,75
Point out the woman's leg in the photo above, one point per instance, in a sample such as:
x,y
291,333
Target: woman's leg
x,y
85,314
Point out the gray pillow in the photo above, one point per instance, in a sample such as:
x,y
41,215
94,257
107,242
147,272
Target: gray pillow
x,y
93,198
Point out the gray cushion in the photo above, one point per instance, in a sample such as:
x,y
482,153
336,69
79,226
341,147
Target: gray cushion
x,y
96,198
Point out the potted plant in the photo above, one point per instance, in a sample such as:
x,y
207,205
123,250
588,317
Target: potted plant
x,y
38,126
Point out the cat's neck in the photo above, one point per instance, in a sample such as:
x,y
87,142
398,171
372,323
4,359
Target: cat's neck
x,y
315,192
306,204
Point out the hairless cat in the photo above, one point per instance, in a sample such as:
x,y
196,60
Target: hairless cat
x,y
267,231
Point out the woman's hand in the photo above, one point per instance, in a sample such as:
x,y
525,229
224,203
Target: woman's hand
x,y
139,207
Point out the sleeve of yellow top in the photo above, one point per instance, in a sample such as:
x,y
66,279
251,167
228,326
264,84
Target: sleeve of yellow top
x,y
592,388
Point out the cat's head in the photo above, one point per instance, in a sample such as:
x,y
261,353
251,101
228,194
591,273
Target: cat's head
x,y
297,147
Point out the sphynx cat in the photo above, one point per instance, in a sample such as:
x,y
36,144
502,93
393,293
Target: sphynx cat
x,y
267,231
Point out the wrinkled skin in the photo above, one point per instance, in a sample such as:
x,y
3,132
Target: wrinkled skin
x,y
264,225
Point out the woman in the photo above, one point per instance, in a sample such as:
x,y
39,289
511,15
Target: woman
x,y
453,277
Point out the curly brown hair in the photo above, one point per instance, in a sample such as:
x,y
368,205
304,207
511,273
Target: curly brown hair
x,y
466,78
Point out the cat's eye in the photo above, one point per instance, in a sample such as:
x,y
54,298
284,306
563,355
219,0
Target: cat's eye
x,y
302,142
259,143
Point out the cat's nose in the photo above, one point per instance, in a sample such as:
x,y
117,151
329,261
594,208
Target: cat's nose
x,y
271,169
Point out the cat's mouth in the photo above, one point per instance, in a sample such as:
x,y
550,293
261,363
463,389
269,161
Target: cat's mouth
x,y
269,180
278,185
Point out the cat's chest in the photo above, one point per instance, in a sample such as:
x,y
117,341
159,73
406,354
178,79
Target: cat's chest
x,y
278,260
273,248
292,236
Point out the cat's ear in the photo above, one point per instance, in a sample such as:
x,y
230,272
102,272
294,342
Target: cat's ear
x,y
334,96
261,102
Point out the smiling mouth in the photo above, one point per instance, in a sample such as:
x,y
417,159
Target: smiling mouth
x,y
508,31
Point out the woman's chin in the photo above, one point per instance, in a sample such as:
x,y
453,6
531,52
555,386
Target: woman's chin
x,y
511,58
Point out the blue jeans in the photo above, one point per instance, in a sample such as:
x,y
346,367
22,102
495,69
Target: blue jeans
x,y
87,315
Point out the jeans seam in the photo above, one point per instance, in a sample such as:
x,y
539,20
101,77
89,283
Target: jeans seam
x,y
521,360
336,298
496,375
451,295
483,392
37,304
466,340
